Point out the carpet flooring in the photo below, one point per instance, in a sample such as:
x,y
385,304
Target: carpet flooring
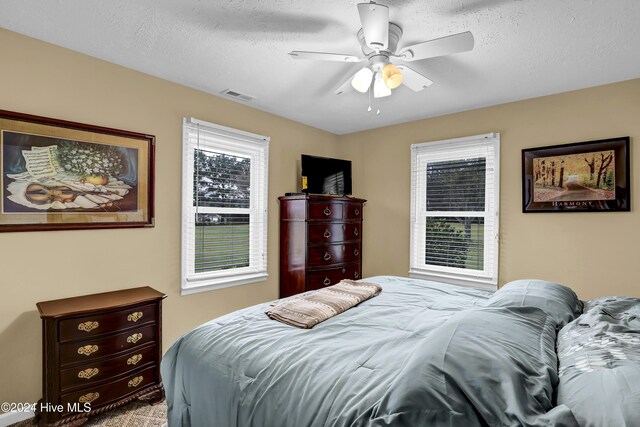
x,y
135,414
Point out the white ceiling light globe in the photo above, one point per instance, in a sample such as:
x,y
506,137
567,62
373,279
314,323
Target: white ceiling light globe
x,y
362,80
380,89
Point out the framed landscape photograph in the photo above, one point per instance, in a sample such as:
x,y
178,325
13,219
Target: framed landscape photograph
x,y
590,176
64,175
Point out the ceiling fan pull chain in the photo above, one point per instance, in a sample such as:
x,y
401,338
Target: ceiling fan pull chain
x,y
378,112
370,89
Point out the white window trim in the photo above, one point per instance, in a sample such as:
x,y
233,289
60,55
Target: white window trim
x,y
489,278
242,142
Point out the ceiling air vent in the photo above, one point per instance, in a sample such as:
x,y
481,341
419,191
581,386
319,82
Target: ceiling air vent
x,y
237,95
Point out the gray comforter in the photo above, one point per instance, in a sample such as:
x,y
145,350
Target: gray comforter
x,y
419,354
599,355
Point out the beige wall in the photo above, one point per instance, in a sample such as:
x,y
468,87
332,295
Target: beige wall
x,y
594,253
45,80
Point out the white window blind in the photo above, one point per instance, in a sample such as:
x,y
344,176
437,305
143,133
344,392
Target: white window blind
x,y
224,206
454,210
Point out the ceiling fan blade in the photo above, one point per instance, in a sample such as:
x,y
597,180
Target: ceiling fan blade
x,y
323,56
461,42
346,85
375,24
413,79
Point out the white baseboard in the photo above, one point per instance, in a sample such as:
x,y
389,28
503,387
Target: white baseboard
x,y
9,418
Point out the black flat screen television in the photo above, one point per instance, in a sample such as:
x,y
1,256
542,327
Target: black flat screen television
x,y
323,175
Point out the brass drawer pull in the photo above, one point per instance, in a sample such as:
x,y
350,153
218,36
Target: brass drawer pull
x,y
133,360
356,275
355,252
327,281
88,326
88,373
88,349
327,256
355,231
134,338
326,211
327,234
135,382
134,317
89,397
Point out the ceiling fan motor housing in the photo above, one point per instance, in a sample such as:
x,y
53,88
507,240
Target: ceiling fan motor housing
x,y
395,32
375,22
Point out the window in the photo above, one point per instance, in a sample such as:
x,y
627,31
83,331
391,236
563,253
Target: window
x,y
224,207
454,210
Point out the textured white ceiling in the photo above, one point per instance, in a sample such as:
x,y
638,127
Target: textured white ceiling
x,y
524,49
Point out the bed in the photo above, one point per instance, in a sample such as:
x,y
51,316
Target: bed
x,y
420,353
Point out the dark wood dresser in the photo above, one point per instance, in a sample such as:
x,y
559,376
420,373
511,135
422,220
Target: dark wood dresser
x,y
320,241
99,351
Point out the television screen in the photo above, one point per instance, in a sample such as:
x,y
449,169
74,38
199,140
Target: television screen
x,y
323,175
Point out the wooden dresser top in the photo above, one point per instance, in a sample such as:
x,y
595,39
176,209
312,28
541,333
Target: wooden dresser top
x,y
322,198
102,301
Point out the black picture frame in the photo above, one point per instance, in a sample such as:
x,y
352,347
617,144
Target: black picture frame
x,y
589,176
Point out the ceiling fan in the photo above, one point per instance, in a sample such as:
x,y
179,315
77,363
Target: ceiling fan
x,y
379,40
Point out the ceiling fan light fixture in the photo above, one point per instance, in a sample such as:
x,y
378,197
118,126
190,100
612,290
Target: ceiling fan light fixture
x,y
379,40
392,76
362,80
380,90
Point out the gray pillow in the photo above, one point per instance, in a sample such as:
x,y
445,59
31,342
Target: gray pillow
x,y
558,301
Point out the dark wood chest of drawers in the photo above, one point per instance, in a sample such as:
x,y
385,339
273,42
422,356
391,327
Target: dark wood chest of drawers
x,y
320,241
99,351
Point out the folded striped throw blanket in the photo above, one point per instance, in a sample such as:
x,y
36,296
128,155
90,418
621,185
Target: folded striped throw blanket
x,y
311,308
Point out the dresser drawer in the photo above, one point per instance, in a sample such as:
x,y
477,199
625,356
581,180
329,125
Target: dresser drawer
x,y
87,326
92,349
334,232
353,231
328,232
322,255
93,372
352,210
323,278
351,252
325,210
100,395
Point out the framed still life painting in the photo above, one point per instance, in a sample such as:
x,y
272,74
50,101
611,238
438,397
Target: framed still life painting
x,y
63,175
590,176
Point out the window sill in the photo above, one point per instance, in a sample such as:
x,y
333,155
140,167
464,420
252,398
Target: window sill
x,y
470,282
211,284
